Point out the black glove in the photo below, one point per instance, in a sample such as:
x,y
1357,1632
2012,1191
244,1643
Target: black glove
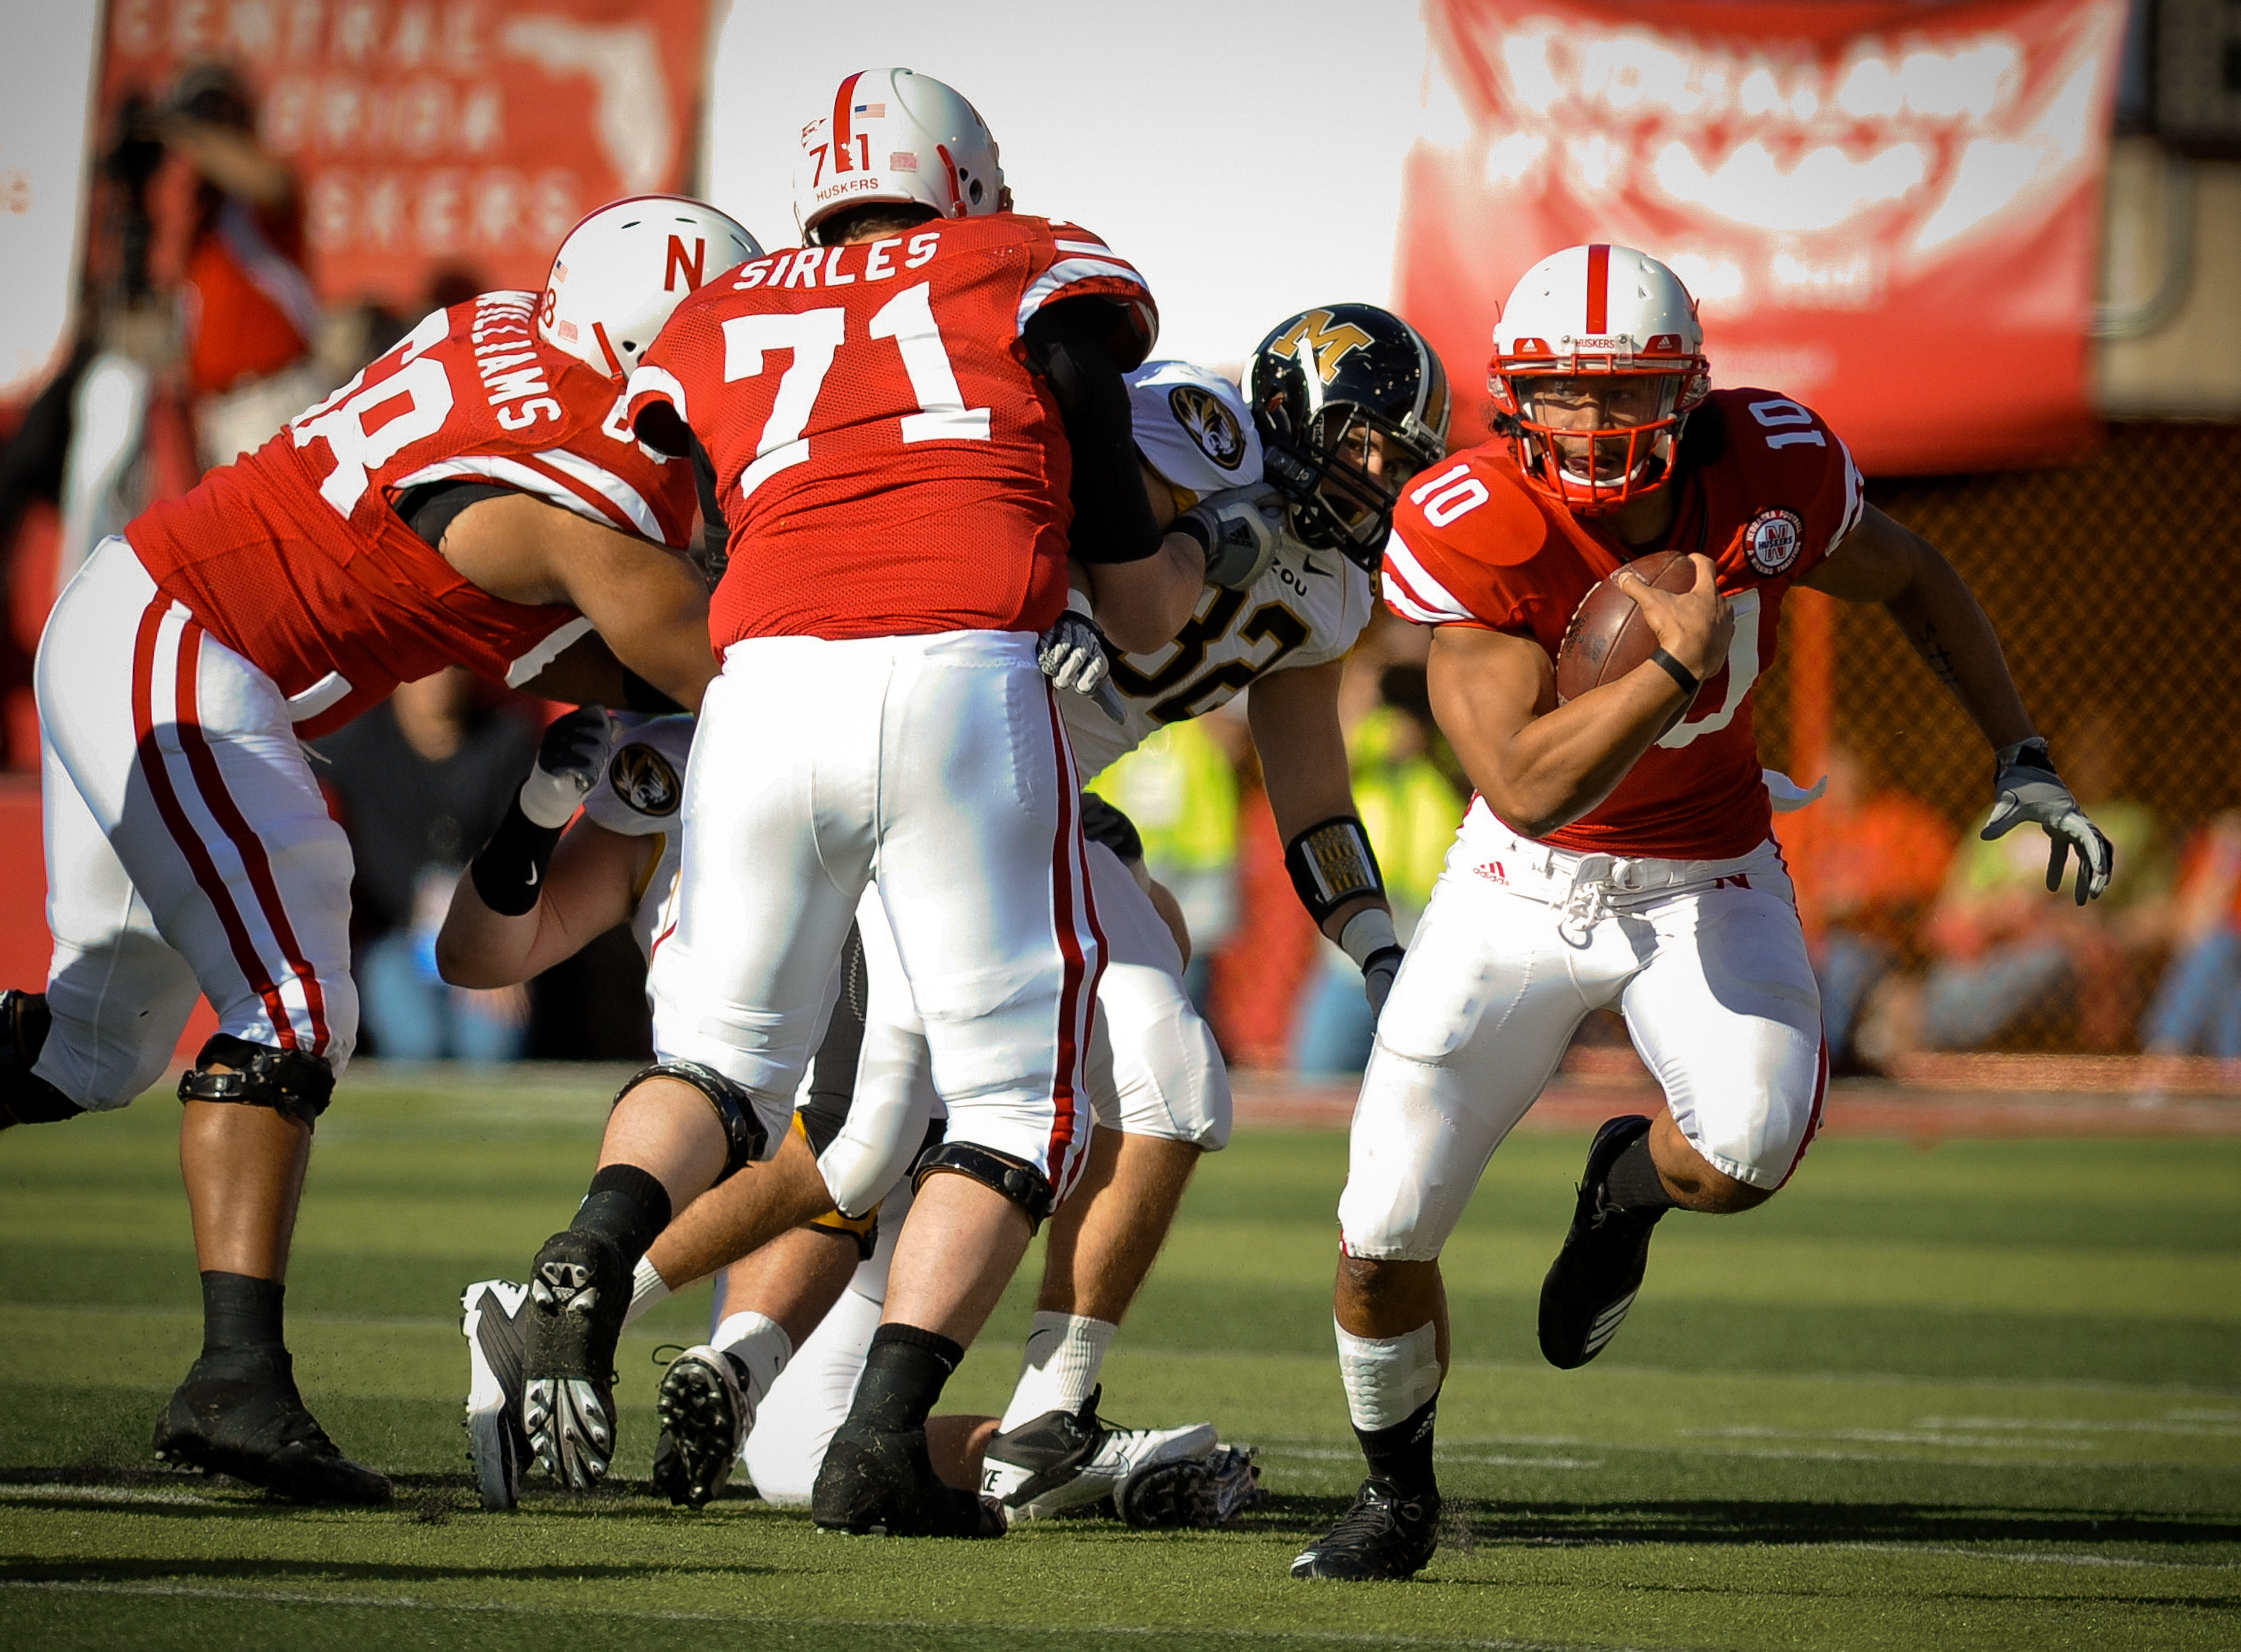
x,y
2028,789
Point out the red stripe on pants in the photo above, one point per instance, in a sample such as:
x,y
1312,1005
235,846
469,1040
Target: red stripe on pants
x,y
1067,857
182,830
203,763
1813,1119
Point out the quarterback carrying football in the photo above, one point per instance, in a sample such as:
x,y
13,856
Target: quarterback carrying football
x,y
1614,856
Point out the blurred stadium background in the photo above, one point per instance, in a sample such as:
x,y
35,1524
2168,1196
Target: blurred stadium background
x,y
1997,242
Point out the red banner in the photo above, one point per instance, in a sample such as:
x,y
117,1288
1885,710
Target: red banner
x,y
464,135
1887,210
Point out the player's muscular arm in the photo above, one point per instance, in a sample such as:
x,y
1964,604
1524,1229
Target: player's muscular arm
x,y
1143,582
1542,766
1303,762
586,892
1881,561
645,599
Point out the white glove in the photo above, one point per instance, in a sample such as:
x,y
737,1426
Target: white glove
x,y
1071,654
570,760
2028,789
1239,529
1369,940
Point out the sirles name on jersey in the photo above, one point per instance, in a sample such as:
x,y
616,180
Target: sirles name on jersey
x,y
642,795
1193,428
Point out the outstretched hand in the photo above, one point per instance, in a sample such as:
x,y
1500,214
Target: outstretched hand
x,y
2028,789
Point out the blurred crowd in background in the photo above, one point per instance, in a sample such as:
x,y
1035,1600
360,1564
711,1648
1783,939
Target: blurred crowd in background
x,y
200,336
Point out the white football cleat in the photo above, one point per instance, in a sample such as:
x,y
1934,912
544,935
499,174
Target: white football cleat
x,y
497,1445
1061,1460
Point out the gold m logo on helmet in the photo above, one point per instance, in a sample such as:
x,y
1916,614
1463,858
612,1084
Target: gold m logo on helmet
x,y
644,781
1325,346
1209,423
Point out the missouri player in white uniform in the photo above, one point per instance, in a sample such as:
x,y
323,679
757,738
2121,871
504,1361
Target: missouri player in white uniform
x,y
1350,401
913,421
466,500
1618,853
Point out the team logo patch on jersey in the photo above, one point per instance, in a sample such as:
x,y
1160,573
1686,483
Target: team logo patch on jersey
x,y
1211,425
1773,538
644,781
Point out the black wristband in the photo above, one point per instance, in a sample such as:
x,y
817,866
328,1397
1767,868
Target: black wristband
x,y
509,874
1689,685
641,696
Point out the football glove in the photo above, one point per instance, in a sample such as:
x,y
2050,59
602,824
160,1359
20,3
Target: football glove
x,y
1071,654
1368,940
570,760
2028,789
1239,530
1377,976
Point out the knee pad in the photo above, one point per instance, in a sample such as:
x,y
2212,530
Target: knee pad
x,y
25,1097
1018,1181
735,1110
293,1083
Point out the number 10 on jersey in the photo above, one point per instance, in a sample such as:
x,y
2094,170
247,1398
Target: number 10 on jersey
x,y
812,338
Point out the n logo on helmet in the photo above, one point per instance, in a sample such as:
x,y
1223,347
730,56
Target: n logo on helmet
x,y
1325,346
693,269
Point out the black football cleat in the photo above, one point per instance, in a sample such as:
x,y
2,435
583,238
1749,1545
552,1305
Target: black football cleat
x,y
579,1291
1385,1537
493,1322
1596,1275
238,1414
705,1414
881,1481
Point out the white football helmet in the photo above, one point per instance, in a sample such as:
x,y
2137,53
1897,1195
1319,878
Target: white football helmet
x,y
1586,313
622,271
896,135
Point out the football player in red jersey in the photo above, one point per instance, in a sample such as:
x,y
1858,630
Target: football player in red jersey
x,y
1614,856
913,420
469,499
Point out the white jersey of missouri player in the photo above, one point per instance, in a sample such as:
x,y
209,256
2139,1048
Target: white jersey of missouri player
x,y
1192,427
641,796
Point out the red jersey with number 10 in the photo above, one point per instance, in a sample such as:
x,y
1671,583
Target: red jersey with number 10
x,y
889,464
1474,544
292,557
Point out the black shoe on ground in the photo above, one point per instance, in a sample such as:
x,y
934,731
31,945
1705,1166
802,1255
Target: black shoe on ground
x,y
874,1481
1594,1278
1202,1496
238,1414
705,1413
1385,1536
579,1291
494,1321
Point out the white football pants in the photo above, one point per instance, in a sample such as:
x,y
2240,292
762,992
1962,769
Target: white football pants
x,y
1705,958
188,846
1154,1067
934,769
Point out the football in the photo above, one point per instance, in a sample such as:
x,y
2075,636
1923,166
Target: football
x,y
1608,637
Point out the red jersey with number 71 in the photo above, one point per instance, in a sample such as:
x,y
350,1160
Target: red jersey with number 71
x,y
292,557
1767,491
889,464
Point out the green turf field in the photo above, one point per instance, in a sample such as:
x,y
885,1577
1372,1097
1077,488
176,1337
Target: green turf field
x,y
1985,1395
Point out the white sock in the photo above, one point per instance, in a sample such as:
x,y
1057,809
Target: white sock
x,y
759,1342
646,1289
1388,1378
1065,1353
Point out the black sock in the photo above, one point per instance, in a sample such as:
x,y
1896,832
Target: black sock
x,y
240,1311
1402,1453
1632,1182
627,1206
903,1377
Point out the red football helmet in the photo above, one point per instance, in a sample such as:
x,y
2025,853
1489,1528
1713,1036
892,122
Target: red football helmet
x,y
1597,359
